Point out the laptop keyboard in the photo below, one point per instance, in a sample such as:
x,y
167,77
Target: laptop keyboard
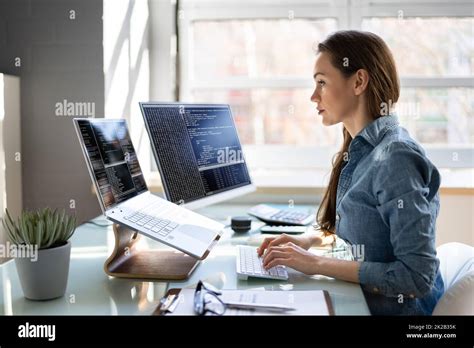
x,y
249,264
160,226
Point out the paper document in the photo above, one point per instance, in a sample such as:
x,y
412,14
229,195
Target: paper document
x,y
304,302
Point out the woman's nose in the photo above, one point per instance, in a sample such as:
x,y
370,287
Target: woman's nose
x,y
315,98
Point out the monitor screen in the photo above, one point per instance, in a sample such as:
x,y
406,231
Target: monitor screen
x,y
112,160
197,149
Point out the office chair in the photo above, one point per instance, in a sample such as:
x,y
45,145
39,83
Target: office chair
x,y
457,271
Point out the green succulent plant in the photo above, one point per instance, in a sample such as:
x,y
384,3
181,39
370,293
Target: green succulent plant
x,y
45,228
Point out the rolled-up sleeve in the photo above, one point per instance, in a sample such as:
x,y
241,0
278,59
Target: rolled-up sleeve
x,y
406,188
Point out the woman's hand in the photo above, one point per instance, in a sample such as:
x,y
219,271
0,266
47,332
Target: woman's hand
x,y
304,242
292,252
291,255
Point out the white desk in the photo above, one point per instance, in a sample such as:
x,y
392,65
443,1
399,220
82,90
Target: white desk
x,y
91,292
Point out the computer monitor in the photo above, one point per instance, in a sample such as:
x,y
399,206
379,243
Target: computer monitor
x,y
197,151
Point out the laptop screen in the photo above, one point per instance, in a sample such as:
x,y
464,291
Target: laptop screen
x,y
112,160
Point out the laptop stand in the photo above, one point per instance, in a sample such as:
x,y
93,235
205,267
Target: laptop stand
x,y
126,261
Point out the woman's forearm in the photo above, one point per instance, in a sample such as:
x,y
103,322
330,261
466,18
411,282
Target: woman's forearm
x,y
339,269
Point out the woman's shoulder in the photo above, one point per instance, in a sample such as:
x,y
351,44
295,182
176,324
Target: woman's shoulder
x,y
398,144
401,160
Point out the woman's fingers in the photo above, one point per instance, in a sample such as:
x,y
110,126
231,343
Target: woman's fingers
x,y
272,253
292,256
279,240
278,262
264,245
270,242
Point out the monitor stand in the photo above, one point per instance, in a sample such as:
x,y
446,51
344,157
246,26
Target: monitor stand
x,y
128,262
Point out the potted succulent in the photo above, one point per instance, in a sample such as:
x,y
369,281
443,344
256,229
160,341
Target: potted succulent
x,y
44,273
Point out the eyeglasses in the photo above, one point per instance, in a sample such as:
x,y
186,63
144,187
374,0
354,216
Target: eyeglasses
x,y
206,300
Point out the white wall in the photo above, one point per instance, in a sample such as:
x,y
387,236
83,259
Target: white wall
x,y
456,219
10,143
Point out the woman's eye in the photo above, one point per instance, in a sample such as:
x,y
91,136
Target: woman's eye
x,y
321,83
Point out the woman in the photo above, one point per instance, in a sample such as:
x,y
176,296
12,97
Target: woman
x,y
382,196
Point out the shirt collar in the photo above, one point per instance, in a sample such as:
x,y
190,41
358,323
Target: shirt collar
x,y
374,131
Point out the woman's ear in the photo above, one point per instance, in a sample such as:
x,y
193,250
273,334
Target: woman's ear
x,y
361,81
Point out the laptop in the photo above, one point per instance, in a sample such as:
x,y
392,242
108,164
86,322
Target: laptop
x,y
124,197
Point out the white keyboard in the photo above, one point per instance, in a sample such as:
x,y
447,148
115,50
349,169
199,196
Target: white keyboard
x,y
161,226
250,265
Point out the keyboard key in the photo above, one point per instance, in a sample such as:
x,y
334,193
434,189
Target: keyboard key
x,y
151,222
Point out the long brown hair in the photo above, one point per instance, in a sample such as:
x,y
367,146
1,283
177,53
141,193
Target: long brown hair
x,y
349,51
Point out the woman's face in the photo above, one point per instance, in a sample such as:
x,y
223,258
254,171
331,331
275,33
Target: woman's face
x,y
333,94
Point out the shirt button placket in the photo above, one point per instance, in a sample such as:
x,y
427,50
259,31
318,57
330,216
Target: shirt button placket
x,y
338,220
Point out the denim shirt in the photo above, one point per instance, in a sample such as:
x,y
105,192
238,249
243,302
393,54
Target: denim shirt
x,y
386,209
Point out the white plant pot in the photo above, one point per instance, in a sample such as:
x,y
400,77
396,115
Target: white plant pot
x,y
46,278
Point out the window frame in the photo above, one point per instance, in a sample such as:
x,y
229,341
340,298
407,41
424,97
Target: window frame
x,y
349,14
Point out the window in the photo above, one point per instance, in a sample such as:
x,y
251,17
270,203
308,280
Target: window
x,y
258,57
258,53
439,116
438,110
127,68
439,47
256,47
